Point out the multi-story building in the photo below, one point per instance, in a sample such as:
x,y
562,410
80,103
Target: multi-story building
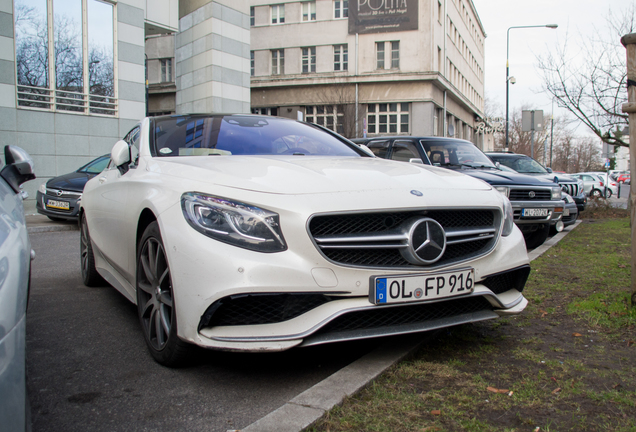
x,y
372,67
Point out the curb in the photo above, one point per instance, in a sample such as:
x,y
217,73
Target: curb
x,y
309,406
305,409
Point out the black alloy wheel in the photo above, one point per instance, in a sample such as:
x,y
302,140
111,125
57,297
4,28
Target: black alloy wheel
x,y
155,301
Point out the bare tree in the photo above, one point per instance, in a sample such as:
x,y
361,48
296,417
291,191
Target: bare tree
x,y
593,89
342,97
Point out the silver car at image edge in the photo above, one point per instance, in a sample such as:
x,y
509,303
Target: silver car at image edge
x,y
15,272
257,233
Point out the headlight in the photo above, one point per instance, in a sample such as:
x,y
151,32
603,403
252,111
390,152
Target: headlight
x,y
233,222
567,198
42,188
556,193
504,190
509,218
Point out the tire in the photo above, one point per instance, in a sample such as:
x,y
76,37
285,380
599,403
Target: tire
x,y
537,238
596,193
155,301
609,194
90,277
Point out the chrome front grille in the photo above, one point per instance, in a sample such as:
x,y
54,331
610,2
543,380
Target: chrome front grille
x,y
63,193
380,239
530,195
571,189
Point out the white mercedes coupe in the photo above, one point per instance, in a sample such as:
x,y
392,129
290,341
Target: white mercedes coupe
x,y
255,233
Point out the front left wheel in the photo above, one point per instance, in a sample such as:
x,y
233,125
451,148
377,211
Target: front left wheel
x,y
155,301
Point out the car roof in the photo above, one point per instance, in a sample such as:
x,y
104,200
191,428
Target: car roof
x,y
423,138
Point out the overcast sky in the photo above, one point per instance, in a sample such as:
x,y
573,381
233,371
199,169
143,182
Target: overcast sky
x,y
576,18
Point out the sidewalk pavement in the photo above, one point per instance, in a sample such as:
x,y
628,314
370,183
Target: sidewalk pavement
x,y
309,406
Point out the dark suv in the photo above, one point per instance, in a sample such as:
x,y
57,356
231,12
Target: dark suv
x,y
536,202
526,165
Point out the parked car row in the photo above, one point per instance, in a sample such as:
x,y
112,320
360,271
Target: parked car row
x,y
536,202
307,237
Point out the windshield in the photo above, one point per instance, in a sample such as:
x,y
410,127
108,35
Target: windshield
x,y
244,135
96,166
524,165
455,153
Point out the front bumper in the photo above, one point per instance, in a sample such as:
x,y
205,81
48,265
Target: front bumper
x,y
581,202
43,200
206,272
555,212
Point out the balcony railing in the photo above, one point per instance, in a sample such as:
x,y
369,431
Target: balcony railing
x,y
66,101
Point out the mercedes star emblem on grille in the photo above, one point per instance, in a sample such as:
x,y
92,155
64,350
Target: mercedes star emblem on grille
x,y
427,242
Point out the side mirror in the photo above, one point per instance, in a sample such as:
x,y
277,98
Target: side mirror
x,y
549,170
416,161
19,167
498,165
120,155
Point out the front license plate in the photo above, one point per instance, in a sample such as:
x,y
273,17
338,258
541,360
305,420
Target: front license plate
x,y
534,212
62,205
566,212
414,288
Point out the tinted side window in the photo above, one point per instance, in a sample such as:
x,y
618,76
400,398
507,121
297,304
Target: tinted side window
x,y
380,148
404,151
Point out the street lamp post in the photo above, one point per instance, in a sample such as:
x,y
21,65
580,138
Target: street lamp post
x,y
552,26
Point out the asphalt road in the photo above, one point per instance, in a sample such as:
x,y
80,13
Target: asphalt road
x,y
88,368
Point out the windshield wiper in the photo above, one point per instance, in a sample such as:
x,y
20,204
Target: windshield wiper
x,y
457,165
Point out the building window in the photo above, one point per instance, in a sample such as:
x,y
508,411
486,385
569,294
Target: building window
x,y
278,62
82,75
252,17
340,8
340,57
166,70
380,49
278,14
395,55
265,111
309,59
388,118
309,11
379,55
330,116
251,63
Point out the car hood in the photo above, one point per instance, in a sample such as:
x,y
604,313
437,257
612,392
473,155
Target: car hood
x,y
74,181
561,178
504,178
297,175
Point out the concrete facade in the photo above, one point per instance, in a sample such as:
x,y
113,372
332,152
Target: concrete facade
x,y
60,142
212,51
441,67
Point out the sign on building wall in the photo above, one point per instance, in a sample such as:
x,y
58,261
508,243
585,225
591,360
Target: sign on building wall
x,y
381,16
